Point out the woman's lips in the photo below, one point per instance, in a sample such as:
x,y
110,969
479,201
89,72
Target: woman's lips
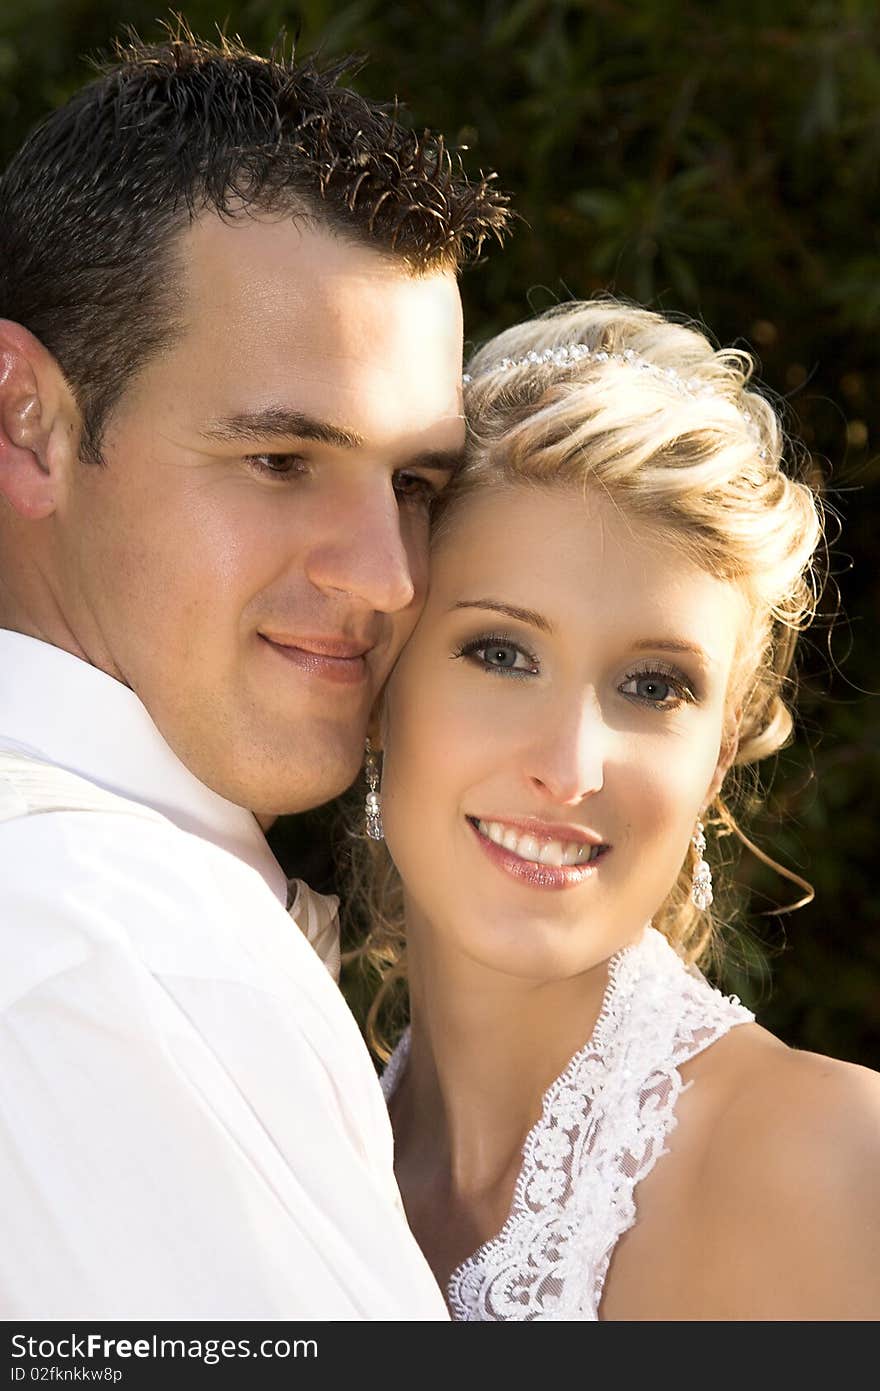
x,y
335,660
539,876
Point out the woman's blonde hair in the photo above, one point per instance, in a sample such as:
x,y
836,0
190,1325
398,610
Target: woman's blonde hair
x,y
609,396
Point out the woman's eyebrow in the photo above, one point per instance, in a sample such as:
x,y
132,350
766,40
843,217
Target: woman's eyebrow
x,y
535,620
675,645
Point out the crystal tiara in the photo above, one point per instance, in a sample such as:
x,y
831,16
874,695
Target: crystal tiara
x,y
568,354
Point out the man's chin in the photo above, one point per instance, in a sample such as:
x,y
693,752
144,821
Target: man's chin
x,y
275,772
313,789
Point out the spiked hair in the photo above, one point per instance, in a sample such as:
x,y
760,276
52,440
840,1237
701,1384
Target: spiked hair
x,y
92,205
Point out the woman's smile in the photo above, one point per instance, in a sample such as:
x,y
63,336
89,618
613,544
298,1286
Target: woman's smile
x,y
536,855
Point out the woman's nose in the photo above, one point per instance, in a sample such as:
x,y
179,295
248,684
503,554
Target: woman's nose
x,y
566,762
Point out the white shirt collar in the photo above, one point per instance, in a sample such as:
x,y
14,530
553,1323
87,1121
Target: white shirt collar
x,y
55,707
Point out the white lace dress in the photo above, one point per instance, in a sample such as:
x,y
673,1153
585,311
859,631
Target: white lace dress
x,y
603,1126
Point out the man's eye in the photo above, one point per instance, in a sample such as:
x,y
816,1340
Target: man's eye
x,y
278,465
411,487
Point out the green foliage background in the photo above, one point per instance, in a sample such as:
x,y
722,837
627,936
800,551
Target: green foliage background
x,y
722,161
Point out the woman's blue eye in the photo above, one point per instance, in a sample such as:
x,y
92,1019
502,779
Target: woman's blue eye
x,y
649,688
497,654
500,656
655,688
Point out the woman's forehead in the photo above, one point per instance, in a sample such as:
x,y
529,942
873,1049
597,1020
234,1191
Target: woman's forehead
x,y
579,557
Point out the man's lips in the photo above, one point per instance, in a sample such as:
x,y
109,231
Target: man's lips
x,y
333,657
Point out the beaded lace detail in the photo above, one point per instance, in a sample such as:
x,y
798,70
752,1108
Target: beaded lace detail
x,y
603,1126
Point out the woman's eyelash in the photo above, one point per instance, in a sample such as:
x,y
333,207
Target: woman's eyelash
x,y
500,646
669,676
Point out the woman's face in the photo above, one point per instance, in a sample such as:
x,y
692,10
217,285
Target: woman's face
x,y
553,730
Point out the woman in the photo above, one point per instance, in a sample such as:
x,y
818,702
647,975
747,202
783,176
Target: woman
x,y
583,1127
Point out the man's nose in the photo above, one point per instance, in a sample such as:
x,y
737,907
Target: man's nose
x,y
566,760
361,550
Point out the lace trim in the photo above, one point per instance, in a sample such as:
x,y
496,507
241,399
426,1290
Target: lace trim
x,y
500,1279
603,1126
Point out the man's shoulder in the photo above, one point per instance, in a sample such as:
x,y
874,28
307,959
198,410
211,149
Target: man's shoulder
x,y
80,885
57,847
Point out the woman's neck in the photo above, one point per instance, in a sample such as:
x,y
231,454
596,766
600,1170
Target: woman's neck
x,y
484,1049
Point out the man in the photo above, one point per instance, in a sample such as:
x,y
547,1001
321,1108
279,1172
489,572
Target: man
x,y
229,386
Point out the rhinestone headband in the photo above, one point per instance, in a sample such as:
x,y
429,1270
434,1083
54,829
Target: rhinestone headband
x,y
568,354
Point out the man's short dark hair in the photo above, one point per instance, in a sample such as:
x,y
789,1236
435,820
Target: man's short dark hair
x,y
92,204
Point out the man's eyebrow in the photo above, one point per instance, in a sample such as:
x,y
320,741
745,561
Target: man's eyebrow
x,y
535,620
278,423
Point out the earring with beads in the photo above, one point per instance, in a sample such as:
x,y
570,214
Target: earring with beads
x,y
701,885
373,806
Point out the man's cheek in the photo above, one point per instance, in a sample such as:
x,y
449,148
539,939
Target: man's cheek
x,y
417,543
401,626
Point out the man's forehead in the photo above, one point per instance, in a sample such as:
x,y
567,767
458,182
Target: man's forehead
x,y
252,251
360,350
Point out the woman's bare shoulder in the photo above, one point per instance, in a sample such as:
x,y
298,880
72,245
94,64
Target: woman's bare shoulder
x,y
790,1181
772,1098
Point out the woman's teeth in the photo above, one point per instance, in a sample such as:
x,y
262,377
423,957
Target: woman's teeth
x,y
542,852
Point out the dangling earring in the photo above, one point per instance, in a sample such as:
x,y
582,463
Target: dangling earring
x,y
373,809
701,887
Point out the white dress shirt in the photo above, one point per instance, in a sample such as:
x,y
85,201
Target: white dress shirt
x,y
190,1125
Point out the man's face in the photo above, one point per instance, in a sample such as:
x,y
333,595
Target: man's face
x,y
254,553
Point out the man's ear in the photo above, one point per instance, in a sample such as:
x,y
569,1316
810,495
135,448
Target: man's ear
x,y
39,424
